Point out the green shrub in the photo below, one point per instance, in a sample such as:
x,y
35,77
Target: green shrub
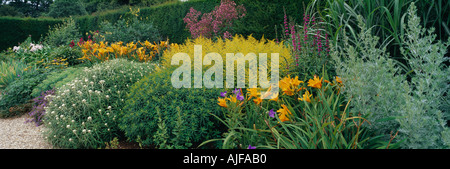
x,y
129,30
63,34
19,92
37,57
83,113
155,107
66,52
66,8
11,70
56,79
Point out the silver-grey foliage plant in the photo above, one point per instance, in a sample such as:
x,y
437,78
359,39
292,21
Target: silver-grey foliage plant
x,y
422,123
378,88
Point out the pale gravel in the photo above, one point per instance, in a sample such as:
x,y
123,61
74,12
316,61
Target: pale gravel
x,y
16,134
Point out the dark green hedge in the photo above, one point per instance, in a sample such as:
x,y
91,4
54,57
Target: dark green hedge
x,y
167,17
15,30
261,18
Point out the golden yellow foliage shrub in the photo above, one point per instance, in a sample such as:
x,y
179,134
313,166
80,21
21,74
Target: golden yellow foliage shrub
x,y
238,44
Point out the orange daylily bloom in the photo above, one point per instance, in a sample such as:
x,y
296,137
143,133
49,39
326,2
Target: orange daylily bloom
x,y
222,102
306,97
284,113
315,83
338,79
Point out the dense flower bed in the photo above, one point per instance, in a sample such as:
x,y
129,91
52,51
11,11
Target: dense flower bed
x,y
338,87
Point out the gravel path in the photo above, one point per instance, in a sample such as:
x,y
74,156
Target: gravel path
x,y
16,134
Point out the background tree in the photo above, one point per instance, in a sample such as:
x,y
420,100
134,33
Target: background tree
x,y
32,8
66,8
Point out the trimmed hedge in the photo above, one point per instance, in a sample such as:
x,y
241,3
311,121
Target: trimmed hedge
x,y
261,18
168,18
15,30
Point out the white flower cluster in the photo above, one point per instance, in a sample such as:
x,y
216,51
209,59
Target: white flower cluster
x,y
33,47
88,103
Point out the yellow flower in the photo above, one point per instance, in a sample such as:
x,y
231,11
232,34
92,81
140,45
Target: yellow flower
x,y
285,85
147,44
164,44
275,99
258,100
268,93
232,99
123,50
316,82
306,97
295,82
338,79
290,85
253,93
284,113
222,102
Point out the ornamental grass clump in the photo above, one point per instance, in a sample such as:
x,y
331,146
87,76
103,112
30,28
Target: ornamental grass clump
x,y
83,113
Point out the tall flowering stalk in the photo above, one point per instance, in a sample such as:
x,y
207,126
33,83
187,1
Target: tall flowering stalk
x,y
310,46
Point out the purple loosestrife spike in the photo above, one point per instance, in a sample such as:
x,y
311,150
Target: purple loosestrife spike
x,y
286,28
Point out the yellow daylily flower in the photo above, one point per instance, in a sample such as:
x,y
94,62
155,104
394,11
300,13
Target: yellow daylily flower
x,y
284,113
315,83
338,79
253,93
222,102
257,101
306,97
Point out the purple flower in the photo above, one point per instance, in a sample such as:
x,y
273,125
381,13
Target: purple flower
x,y
251,147
223,94
238,94
236,91
18,75
271,113
239,97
